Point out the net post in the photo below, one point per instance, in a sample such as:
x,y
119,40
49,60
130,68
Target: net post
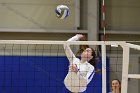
x,y
125,66
103,68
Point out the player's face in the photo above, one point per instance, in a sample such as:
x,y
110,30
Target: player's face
x,y
115,83
87,54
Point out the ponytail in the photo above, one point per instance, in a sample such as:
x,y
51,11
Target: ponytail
x,y
93,60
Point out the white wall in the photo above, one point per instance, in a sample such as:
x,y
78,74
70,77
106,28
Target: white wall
x,y
123,14
31,14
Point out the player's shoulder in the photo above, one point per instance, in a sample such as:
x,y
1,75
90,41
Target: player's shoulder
x,y
76,60
91,67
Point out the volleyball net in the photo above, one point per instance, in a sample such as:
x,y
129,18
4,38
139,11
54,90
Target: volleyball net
x,y
37,66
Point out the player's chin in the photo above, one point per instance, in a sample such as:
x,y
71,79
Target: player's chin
x,y
83,56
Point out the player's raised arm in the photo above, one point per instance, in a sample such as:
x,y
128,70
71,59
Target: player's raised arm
x,y
70,55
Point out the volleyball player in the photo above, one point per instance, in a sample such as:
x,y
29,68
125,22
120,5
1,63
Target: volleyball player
x,y
81,71
115,86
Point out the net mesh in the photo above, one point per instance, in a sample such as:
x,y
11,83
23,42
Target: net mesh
x,y
115,55
34,67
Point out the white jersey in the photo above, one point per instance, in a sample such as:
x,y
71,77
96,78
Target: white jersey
x,y
77,82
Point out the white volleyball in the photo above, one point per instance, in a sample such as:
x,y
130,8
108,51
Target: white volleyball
x,y
62,11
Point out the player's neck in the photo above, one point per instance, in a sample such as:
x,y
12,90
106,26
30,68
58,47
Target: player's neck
x,y
83,61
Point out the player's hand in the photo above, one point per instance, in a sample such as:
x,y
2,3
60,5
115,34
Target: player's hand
x,y
81,37
115,89
73,68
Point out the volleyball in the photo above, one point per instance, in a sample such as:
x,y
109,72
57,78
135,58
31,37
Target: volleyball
x,y
62,11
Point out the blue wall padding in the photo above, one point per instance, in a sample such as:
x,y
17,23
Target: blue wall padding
x,y
37,74
99,65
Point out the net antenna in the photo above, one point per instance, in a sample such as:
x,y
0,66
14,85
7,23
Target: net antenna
x,y
103,20
103,49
